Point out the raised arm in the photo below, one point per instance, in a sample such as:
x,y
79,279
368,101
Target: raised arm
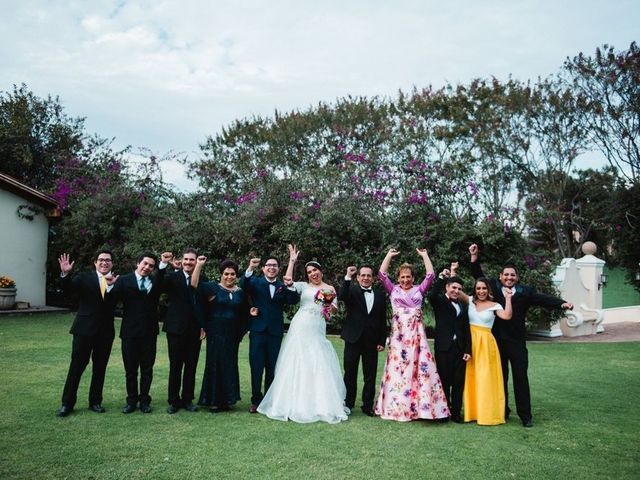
x,y
384,267
293,258
476,268
428,279
345,287
508,310
197,271
66,265
425,258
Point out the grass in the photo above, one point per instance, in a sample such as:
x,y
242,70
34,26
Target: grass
x,y
584,399
619,293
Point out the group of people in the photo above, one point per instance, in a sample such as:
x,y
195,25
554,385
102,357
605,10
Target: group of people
x,y
477,338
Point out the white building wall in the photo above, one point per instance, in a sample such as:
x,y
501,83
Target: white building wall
x,y
23,249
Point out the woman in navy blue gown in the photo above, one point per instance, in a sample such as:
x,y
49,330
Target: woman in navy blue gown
x,y
224,323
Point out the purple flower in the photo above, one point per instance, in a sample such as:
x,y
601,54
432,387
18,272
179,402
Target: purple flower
x,y
417,198
298,195
247,198
473,188
531,262
262,173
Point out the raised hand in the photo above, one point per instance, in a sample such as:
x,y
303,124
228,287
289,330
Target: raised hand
x,y
288,281
422,252
166,257
393,252
351,271
473,249
454,268
293,252
201,260
254,263
111,279
65,264
176,263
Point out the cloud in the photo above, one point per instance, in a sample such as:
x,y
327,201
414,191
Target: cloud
x,y
165,74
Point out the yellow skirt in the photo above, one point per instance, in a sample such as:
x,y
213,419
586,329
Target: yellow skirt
x,y
483,384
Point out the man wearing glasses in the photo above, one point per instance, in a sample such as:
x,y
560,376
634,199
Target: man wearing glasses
x,y
92,328
269,295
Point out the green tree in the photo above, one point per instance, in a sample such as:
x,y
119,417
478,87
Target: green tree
x,y
609,85
36,136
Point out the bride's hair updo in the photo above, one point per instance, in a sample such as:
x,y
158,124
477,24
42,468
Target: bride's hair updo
x,y
406,266
312,263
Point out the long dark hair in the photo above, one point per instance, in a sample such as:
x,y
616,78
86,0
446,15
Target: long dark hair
x,y
488,285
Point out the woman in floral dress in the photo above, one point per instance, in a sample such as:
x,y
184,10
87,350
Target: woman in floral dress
x,y
410,388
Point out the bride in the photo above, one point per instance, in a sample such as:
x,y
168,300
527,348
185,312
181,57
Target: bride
x,y
308,385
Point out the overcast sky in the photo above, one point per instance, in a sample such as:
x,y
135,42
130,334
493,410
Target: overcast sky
x,y
166,74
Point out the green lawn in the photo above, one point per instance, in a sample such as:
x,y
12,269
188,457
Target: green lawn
x,y
585,413
619,293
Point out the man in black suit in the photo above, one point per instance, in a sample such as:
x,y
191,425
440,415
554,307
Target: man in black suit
x,y
511,335
364,333
269,295
183,332
139,292
92,329
452,338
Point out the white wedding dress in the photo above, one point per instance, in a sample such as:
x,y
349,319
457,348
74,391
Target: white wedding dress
x,y
308,385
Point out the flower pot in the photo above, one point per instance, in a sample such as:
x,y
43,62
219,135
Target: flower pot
x,y
7,298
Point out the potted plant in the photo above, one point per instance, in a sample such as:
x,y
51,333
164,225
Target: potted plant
x,y
7,293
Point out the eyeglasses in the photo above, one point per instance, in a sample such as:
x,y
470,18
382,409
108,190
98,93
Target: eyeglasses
x,y
271,265
105,260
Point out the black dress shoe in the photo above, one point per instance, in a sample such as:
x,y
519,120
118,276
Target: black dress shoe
x,y
96,407
190,407
368,412
527,423
456,418
128,408
171,409
253,408
145,408
63,411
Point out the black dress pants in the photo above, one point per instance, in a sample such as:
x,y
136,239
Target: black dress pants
x,y
451,369
98,349
352,353
139,353
184,352
516,353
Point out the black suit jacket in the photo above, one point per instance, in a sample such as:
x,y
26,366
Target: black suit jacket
x,y
524,298
448,323
181,314
358,322
95,314
140,310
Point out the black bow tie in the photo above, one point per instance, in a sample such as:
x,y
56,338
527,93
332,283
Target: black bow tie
x,y
366,290
453,301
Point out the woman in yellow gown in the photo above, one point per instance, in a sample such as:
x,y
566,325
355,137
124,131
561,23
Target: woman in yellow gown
x,y
483,395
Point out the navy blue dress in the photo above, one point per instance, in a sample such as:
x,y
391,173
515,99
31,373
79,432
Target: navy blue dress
x,y
225,321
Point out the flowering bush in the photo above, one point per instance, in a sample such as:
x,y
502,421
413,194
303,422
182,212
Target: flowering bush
x,y
7,282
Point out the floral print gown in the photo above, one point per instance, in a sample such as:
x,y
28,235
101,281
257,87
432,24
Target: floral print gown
x,y
410,388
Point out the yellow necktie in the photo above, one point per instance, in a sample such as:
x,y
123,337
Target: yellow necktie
x,y
103,285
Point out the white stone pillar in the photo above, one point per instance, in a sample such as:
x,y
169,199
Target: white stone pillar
x,y
591,269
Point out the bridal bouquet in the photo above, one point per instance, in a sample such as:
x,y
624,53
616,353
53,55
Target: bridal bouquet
x,y
325,297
